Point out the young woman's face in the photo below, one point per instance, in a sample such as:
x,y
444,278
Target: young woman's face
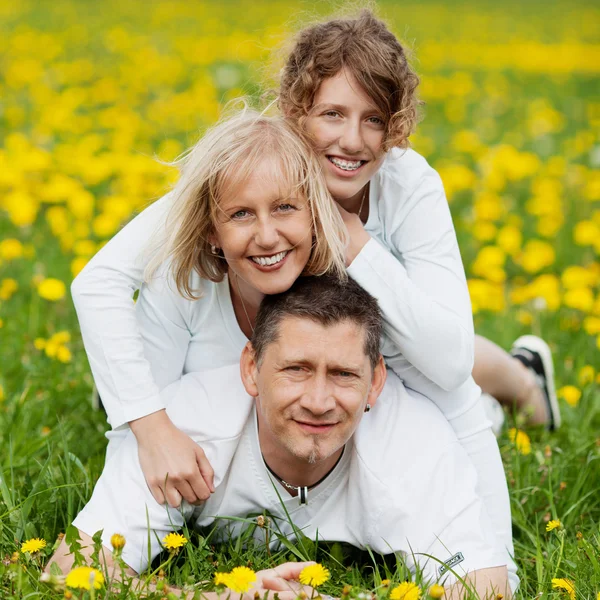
x,y
264,230
349,130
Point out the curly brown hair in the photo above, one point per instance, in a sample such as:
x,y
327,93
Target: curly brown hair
x,y
366,48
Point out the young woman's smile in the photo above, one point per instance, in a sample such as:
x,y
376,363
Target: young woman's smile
x,y
348,130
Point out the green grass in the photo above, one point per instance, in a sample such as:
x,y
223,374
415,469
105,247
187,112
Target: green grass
x,y
51,442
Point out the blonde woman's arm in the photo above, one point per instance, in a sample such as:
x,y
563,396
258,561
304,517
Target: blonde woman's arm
x,y
103,298
174,466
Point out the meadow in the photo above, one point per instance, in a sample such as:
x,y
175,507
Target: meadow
x,y
92,94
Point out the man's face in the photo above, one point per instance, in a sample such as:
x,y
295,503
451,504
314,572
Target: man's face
x,y
313,385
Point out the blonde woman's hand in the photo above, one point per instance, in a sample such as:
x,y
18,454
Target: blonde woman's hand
x,y
283,579
174,466
357,234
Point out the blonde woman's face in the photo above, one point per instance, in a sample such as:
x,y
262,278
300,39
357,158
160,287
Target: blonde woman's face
x,y
349,131
265,230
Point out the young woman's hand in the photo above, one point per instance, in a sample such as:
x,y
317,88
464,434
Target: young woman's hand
x,y
174,466
357,235
283,579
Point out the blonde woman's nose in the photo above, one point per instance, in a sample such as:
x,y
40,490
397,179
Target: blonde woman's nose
x,y
267,234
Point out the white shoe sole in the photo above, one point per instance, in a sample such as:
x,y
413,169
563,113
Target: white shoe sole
x,y
537,344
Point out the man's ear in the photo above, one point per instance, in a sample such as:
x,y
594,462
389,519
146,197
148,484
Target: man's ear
x,y
249,370
377,381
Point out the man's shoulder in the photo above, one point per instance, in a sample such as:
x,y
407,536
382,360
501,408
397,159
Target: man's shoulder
x,y
211,404
403,428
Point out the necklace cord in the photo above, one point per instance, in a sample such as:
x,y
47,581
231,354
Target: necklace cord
x,y
297,488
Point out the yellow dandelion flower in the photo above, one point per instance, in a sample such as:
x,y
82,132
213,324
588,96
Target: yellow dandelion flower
x,y
221,578
385,582
586,375
61,337
553,524
598,596
52,289
2,394
565,585
33,545
39,343
174,541
77,265
63,354
8,287
10,249
407,590
314,575
240,579
570,394
117,541
521,440
84,578
436,591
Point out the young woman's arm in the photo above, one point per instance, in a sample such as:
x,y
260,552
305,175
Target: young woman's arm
x,y
420,283
103,297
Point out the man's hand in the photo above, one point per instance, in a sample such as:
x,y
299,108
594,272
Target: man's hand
x,y
173,464
357,235
283,580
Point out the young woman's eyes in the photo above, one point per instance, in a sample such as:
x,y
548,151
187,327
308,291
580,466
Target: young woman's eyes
x,y
332,113
376,121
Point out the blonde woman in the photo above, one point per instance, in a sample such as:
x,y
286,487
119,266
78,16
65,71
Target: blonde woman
x,y
249,214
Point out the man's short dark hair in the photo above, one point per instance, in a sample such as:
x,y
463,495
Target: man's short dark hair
x,y
325,300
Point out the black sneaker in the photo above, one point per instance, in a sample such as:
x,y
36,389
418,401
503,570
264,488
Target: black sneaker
x,y
535,354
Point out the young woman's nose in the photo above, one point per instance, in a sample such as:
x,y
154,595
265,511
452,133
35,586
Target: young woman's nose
x,y
351,139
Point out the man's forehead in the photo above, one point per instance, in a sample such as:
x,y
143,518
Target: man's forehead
x,y
303,338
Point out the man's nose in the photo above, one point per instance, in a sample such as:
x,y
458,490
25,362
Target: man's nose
x,y
318,398
351,139
267,234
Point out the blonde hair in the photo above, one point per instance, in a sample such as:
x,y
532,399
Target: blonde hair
x,y
366,48
224,158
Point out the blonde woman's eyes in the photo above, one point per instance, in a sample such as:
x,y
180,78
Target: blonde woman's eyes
x,y
286,207
240,214
376,121
332,113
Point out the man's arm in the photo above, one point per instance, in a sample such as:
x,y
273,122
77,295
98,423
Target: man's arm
x,y
281,579
489,584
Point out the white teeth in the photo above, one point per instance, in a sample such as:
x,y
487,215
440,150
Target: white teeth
x,y
265,261
346,165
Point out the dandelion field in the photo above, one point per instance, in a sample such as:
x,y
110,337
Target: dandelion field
x,y
92,93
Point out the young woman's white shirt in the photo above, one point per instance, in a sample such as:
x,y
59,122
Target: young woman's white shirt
x,y
412,266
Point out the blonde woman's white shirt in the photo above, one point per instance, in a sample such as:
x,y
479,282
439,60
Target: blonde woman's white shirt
x,y
403,484
412,266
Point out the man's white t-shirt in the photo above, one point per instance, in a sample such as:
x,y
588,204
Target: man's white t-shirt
x,y
404,483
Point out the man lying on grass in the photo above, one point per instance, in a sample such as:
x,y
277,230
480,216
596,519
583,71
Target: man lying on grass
x,y
313,430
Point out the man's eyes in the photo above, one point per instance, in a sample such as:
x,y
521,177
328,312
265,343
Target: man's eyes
x,y
345,374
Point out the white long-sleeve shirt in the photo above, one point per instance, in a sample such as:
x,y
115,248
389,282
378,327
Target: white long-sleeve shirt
x,y
428,508
412,266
